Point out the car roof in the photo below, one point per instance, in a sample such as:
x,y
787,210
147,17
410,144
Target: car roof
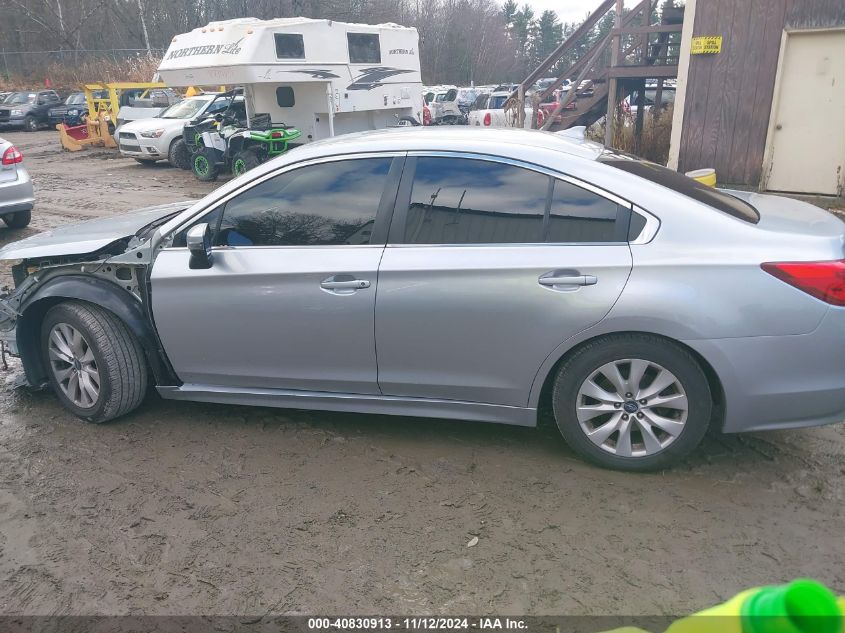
x,y
447,138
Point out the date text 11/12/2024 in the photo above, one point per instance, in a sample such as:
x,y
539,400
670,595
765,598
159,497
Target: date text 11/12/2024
x,y
416,623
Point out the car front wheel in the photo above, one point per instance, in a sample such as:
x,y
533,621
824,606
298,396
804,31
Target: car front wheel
x,y
632,402
95,365
30,124
179,155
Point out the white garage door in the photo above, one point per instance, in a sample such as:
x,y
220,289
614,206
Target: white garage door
x,y
807,139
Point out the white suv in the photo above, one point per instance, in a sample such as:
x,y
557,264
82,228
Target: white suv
x,y
160,137
488,111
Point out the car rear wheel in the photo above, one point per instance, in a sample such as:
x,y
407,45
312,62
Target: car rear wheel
x,y
204,164
178,155
30,124
17,220
95,365
632,402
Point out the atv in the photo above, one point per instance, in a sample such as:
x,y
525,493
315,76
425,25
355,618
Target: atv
x,y
221,144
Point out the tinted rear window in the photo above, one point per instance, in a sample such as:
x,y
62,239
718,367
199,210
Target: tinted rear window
x,y
676,181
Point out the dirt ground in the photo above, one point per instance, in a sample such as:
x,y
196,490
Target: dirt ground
x,y
187,508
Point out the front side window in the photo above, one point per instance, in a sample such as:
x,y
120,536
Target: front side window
x,y
289,46
364,48
317,205
463,201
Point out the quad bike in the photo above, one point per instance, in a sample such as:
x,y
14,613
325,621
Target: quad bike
x,y
218,146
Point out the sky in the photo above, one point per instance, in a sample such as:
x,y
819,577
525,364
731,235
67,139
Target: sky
x,y
567,10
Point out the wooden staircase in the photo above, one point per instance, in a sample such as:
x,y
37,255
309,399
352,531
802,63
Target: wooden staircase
x,y
634,50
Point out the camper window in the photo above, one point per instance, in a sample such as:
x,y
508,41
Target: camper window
x,y
289,46
364,48
284,97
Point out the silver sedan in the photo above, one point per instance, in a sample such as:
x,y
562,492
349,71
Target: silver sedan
x,y
16,193
455,273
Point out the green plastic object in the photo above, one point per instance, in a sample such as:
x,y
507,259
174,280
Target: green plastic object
x,y
802,606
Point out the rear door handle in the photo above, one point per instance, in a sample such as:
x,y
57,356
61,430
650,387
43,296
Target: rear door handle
x,y
569,280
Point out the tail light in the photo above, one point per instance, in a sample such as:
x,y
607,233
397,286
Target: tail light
x,y
823,280
11,156
275,135
488,119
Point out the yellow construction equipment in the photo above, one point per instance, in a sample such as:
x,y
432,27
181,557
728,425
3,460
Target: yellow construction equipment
x,y
94,132
103,100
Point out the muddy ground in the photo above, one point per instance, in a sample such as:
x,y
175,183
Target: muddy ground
x,y
193,508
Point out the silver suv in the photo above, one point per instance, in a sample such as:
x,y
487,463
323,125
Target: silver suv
x,y
459,273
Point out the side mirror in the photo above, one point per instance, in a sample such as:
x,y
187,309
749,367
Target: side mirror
x,y
198,240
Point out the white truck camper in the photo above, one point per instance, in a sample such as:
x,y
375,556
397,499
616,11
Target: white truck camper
x,y
320,76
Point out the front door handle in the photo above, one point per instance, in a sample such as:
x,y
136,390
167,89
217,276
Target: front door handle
x,y
344,284
569,280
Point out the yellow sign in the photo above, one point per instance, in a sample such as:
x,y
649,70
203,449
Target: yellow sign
x,y
706,45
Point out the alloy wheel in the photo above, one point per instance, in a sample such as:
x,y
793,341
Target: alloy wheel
x,y
74,366
632,407
201,165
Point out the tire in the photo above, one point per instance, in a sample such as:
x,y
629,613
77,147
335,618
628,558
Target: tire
x,y
178,154
30,124
204,164
146,162
107,347
648,451
17,220
244,161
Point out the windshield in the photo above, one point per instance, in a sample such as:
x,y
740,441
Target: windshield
x,y
21,97
440,97
76,99
186,109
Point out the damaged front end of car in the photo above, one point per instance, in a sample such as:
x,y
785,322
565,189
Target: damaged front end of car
x,y
113,276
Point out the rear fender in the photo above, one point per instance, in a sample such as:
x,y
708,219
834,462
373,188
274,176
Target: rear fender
x,y
102,293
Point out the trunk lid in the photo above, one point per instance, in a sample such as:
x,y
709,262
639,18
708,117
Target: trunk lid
x,y
778,213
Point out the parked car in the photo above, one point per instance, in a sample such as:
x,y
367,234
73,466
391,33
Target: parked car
x,y
629,104
16,194
74,111
551,103
444,108
488,111
160,138
475,277
27,110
